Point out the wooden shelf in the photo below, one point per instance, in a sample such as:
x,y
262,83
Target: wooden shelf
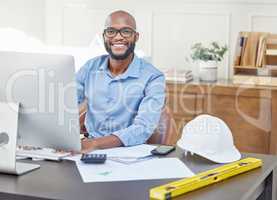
x,y
257,56
245,67
267,71
271,52
248,70
255,80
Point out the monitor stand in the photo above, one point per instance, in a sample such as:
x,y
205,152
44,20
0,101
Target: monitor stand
x,y
8,141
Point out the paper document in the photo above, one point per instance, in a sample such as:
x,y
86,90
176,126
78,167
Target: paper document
x,y
157,168
144,169
133,151
122,153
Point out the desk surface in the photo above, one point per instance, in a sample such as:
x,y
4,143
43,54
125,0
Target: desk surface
x,y
238,82
62,181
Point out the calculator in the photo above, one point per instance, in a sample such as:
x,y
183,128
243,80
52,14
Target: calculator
x,y
94,158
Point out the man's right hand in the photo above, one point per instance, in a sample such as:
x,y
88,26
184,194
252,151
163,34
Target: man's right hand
x,y
104,142
88,145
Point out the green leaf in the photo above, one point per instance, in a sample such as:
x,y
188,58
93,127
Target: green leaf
x,y
212,52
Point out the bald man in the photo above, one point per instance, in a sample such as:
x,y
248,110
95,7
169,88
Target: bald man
x,y
124,94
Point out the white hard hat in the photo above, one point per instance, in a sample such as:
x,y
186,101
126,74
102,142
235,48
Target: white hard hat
x,y
210,138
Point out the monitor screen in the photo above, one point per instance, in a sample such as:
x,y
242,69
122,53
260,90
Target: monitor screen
x,y
45,87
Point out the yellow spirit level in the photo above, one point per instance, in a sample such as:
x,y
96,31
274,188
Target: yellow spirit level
x,y
200,180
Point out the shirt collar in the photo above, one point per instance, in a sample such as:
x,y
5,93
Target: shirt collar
x,y
132,70
104,64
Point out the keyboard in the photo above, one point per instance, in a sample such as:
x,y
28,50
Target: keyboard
x,y
41,153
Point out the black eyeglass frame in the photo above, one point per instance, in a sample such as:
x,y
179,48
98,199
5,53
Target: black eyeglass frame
x,y
119,31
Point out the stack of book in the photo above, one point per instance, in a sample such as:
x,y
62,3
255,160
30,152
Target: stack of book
x,y
255,52
179,75
250,49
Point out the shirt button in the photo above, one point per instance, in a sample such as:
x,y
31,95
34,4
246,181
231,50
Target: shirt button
x,y
110,100
102,128
109,118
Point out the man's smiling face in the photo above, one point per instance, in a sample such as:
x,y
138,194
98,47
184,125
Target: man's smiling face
x,y
120,36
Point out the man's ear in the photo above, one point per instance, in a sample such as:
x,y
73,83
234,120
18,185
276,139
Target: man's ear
x,y
137,37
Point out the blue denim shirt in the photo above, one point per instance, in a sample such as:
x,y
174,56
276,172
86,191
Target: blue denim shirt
x,y
128,105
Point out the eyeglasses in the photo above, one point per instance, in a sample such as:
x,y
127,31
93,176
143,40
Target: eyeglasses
x,y
124,32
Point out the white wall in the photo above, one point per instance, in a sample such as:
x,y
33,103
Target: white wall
x,y
167,28
27,16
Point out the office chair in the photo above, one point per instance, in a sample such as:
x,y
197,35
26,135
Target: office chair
x,y
82,116
165,133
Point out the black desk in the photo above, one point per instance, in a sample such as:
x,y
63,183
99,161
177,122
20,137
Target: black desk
x,y
62,181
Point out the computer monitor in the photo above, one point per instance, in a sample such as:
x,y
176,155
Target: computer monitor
x,y
45,87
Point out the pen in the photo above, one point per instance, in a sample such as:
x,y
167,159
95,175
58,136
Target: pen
x,y
130,159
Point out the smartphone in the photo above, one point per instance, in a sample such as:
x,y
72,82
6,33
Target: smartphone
x,y
163,150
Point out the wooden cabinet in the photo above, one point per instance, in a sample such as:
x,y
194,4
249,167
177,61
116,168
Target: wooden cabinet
x,y
185,105
249,111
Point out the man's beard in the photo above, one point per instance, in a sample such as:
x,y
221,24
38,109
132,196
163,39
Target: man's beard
x,y
129,51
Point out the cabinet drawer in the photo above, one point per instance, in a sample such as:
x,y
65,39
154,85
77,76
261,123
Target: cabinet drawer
x,y
182,104
180,123
248,118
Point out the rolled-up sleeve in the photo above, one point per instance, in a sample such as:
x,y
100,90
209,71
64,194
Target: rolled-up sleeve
x,y
148,114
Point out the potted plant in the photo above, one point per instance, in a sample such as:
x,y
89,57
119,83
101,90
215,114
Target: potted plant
x,y
208,58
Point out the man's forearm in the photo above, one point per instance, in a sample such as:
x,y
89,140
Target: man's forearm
x,y
108,142
100,143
